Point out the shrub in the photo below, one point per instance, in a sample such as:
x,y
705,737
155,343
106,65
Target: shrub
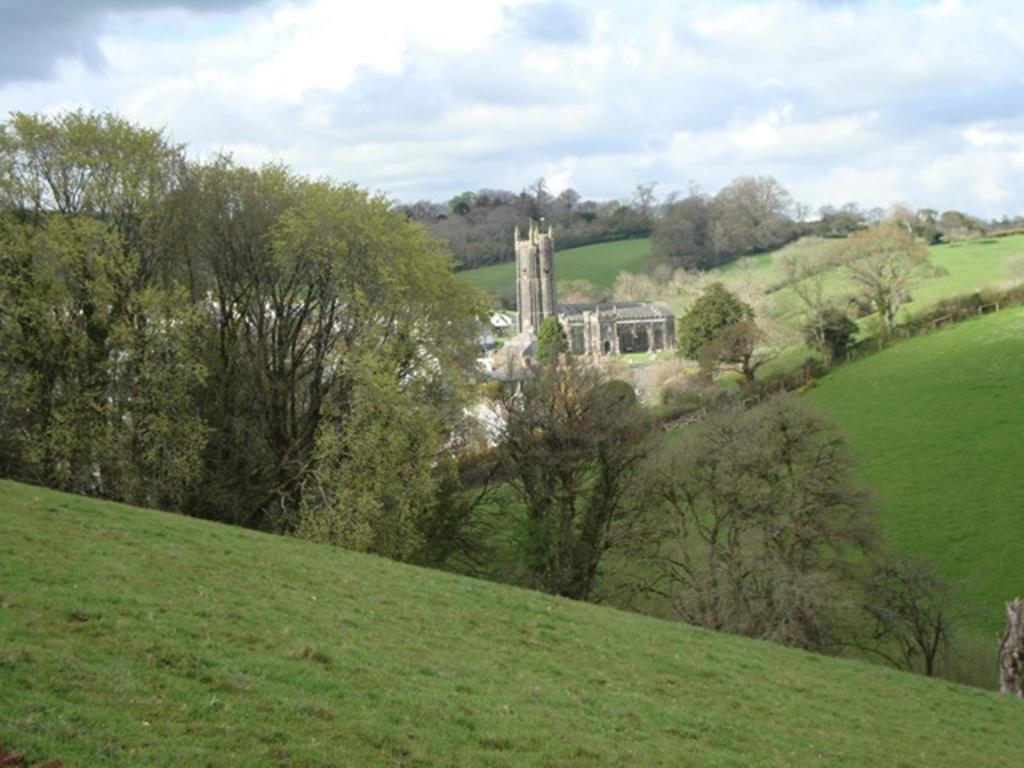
x,y
830,332
716,308
551,340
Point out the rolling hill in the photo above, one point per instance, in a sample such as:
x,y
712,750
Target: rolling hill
x,y
937,422
133,637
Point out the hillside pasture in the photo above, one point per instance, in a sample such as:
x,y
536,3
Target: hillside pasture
x,y
135,638
937,422
963,267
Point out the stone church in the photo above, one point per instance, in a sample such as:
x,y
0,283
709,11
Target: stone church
x,y
595,330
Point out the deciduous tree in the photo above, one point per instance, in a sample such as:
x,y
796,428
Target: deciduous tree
x,y
910,613
885,262
716,308
764,519
735,344
572,443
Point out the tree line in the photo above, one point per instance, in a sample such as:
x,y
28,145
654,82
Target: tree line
x,y
477,226
240,344
695,230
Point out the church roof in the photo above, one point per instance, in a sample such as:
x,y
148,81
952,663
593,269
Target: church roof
x,y
623,310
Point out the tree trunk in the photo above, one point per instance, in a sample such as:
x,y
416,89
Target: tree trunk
x,y
1011,653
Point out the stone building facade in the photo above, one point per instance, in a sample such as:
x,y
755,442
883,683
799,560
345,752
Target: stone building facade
x,y
614,329
535,277
594,330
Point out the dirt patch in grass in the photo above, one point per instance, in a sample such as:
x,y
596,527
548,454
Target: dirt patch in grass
x,y
10,759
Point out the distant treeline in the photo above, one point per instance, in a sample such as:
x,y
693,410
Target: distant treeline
x,y
696,230
478,225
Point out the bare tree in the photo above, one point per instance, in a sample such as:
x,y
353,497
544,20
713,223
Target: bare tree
x,y
739,344
682,236
910,611
752,214
763,515
644,199
805,268
885,262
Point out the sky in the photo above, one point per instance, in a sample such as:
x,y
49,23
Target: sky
x,y
875,102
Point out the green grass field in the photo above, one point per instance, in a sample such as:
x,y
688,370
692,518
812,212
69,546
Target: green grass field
x,y
968,267
938,422
600,263
135,638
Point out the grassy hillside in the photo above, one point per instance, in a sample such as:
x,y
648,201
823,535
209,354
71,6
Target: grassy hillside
x,y
939,423
130,637
968,267
599,263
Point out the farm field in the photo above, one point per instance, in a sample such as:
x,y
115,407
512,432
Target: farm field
x,y
136,638
600,263
937,422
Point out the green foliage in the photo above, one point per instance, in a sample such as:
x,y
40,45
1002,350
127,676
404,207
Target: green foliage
x,y
333,286
478,225
178,642
374,480
840,222
102,356
218,340
626,222
551,340
460,205
716,308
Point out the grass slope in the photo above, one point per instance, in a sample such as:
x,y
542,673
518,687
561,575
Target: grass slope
x,y
131,637
968,267
599,263
938,422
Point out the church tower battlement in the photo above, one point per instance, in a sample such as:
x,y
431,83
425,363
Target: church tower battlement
x,y
535,277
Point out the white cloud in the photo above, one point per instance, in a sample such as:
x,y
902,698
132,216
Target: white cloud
x,y
872,101
986,136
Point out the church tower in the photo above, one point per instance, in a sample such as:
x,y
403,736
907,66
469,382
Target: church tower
x,y
535,277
